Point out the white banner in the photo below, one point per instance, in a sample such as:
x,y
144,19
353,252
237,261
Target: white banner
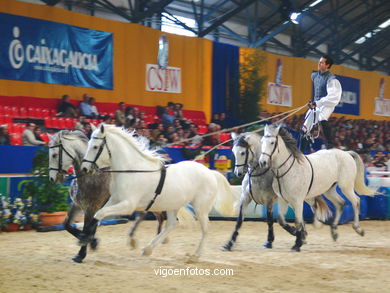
x,y
382,107
166,80
280,95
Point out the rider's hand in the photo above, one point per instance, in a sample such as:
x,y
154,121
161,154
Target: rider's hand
x,y
312,105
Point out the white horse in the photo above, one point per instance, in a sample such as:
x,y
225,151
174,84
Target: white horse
x,y
140,181
299,177
257,186
89,193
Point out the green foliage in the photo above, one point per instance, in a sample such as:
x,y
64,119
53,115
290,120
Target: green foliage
x,y
46,196
252,85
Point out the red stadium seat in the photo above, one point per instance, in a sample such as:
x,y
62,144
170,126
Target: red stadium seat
x,y
45,112
48,122
61,123
55,123
69,123
23,112
1,110
202,129
16,138
224,137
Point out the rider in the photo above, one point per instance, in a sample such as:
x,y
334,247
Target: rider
x,y
327,94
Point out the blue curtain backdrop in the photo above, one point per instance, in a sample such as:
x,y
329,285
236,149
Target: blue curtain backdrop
x,y
225,83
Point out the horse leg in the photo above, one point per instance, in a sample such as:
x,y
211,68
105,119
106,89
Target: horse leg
x,y
122,208
79,257
203,221
160,218
171,224
299,226
355,201
140,216
339,204
282,210
270,222
228,245
74,209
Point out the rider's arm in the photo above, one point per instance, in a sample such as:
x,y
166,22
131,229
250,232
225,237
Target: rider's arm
x,y
333,87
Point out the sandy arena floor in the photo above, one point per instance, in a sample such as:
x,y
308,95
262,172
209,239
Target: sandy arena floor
x,y
40,262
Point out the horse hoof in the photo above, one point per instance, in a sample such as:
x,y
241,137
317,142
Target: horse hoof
x,y
296,248
94,243
77,259
133,243
193,259
166,240
147,251
358,230
226,247
267,245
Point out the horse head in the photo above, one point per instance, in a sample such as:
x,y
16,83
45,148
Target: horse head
x,y
242,154
98,154
269,144
64,149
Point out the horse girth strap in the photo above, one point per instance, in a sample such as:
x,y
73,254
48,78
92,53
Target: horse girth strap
x,y
159,187
312,175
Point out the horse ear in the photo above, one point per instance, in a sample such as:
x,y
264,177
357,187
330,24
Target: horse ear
x,y
234,135
102,128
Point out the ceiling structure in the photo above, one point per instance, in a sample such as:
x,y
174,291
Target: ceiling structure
x,y
346,29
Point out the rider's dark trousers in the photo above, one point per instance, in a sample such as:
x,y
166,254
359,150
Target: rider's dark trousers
x,y
304,142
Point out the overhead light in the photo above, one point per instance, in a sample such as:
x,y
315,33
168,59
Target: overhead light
x,y
385,24
315,3
294,17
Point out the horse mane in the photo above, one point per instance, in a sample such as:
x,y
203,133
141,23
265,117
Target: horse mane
x,y
75,134
290,143
139,142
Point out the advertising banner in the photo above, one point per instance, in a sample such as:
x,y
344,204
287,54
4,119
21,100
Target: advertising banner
x,y
44,51
166,80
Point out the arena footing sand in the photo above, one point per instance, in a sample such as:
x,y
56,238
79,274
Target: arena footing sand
x,y
41,262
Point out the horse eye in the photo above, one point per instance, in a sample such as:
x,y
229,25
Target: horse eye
x,y
242,153
54,156
95,147
272,143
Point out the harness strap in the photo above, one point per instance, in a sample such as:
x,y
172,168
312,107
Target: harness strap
x,y
312,174
159,187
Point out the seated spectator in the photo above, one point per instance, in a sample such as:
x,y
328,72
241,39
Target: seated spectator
x,y
166,118
95,112
215,118
130,113
177,110
120,114
28,136
212,140
379,160
4,136
37,133
85,108
66,109
79,124
87,129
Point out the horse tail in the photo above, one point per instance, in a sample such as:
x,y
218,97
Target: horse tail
x,y
323,212
224,203
360,185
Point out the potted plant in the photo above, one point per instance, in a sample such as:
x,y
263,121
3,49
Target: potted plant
x,y
16,214
49,199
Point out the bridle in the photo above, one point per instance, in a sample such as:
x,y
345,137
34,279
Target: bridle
x,y
101,148
61,149
273,151
243,143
